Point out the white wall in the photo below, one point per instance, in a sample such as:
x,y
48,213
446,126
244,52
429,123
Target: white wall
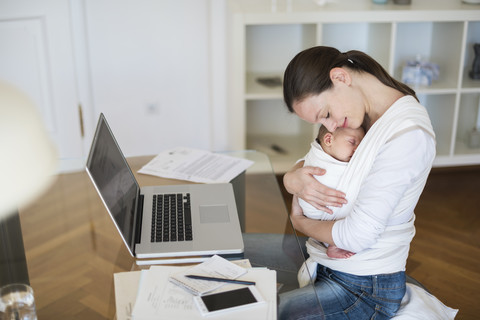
x,y
153,72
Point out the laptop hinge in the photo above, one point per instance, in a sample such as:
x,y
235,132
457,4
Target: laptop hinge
x,y
138,223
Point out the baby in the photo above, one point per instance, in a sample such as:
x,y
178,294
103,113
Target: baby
x,y
331,151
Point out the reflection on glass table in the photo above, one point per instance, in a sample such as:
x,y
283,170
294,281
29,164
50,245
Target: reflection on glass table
x,y
73,248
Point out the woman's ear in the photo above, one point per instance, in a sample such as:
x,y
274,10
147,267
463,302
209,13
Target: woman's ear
x,y
340,75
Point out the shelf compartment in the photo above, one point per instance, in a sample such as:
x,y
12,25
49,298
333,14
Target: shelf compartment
x,y
294,148
467,121
266,51
272,129
371,38
437,42
441,109
257,91
272,116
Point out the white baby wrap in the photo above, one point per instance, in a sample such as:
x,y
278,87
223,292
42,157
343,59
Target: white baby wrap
x,y
389,253
316,157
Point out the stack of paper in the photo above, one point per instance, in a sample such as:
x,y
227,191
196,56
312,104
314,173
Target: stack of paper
x,y
150,294
216,266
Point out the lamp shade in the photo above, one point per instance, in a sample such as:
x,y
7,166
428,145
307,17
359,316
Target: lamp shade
x,y
28,160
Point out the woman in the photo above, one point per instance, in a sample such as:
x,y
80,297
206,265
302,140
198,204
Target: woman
x,y
382,184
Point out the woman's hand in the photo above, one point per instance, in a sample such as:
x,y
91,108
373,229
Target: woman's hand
x,y
296,209
300,182
296,214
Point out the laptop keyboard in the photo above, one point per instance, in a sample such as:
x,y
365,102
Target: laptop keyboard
x,y
171,218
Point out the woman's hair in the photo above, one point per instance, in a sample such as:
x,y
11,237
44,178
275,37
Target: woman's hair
x,y
309,72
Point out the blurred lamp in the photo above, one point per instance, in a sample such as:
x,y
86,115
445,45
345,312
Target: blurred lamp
x,y
28,160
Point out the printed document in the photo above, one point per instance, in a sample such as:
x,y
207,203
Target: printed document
x,y
195,165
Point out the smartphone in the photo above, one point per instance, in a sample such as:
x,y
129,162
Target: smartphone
x,y
228,300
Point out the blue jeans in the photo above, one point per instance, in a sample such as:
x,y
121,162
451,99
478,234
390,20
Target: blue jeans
x,y
345,296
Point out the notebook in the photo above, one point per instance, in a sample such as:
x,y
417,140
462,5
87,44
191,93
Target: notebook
x,y
209,208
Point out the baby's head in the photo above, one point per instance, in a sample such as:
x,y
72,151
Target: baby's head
x,y
342,143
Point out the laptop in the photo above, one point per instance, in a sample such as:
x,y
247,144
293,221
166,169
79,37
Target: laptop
x,y
207,222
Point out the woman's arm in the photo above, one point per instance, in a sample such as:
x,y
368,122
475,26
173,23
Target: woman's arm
x,y
317,229
300,182
398,170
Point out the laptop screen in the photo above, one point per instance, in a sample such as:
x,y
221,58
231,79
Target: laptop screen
x,y
114,180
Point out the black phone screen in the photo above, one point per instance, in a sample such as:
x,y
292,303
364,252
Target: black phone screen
x,y
228,299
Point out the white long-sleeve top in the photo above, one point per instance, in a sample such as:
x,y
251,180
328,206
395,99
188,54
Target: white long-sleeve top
x,y
398,167
387,175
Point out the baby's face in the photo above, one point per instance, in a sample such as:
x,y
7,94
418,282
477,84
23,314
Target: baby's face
x,y
344,143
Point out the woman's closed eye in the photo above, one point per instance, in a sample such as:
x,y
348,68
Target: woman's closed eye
x,y
321,116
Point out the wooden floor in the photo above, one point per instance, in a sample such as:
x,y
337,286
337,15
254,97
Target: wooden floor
x,y
445,253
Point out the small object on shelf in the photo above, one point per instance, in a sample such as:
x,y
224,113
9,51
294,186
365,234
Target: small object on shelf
x,y
420,73
379,1
474,134
474,138
471,1
402,1
278,149
475,73
270,82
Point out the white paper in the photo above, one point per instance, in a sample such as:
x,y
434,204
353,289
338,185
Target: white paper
x,y
126,284
215,266
195,165
159,298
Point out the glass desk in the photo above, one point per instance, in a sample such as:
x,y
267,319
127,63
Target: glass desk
x,y
73,248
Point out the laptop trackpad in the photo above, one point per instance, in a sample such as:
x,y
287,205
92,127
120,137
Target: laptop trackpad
x,y
214,214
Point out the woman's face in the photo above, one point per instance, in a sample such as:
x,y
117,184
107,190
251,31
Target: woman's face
x,y
333,108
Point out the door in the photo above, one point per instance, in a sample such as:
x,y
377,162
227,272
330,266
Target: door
x,y
36,55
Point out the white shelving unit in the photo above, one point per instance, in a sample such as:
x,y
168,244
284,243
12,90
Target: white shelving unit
x,y
265,35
